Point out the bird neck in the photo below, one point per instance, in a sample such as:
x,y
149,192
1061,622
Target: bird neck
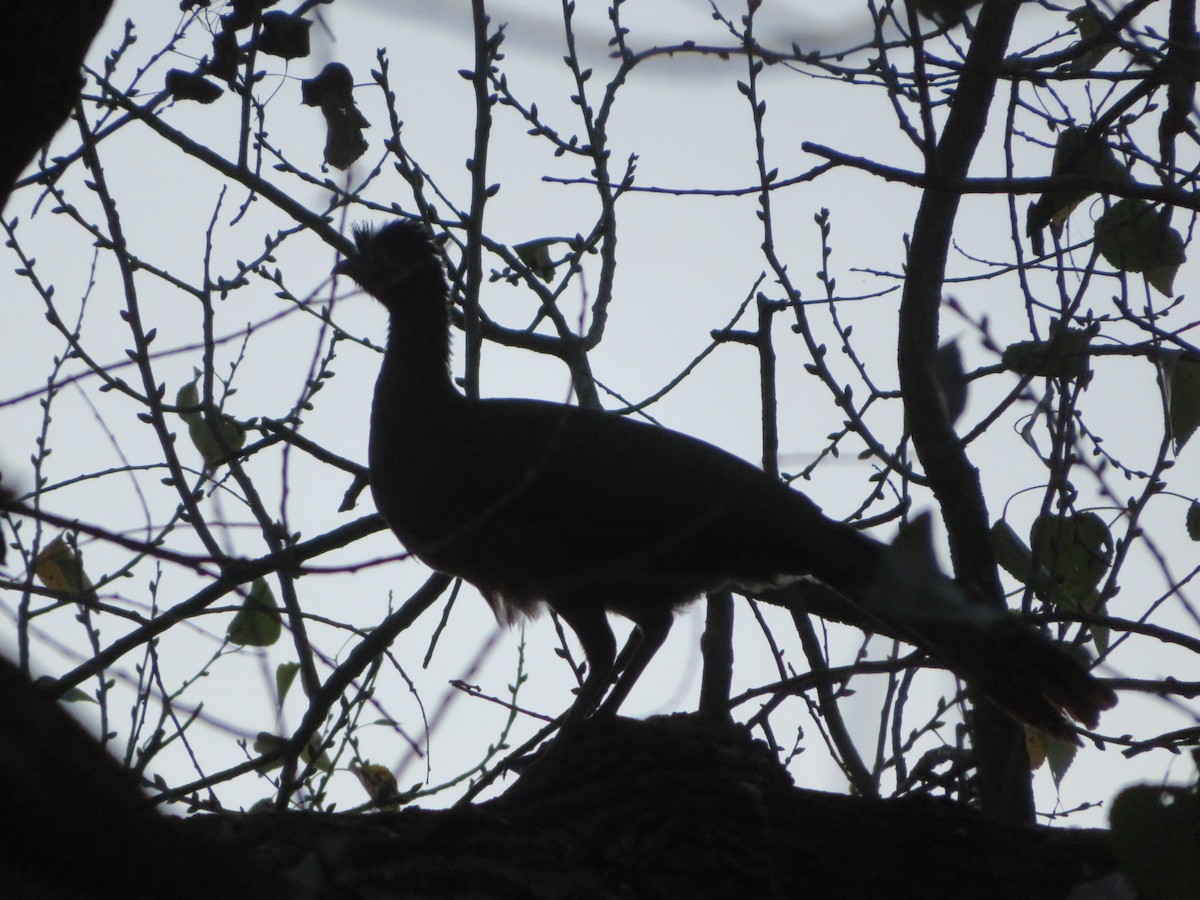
x,y
416,360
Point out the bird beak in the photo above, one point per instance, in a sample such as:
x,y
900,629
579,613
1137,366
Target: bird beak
x,y
345,266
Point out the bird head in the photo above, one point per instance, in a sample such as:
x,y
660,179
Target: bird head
x,y
389,257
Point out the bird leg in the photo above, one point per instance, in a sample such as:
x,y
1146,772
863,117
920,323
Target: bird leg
x,y
624,658
590,624
652,630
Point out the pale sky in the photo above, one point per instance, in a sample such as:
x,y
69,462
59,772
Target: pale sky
x,y
685,266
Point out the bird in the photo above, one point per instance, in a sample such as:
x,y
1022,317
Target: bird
x,y
543,504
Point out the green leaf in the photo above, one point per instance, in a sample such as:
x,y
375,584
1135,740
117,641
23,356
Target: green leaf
x,y
285,674
257,623
1066,355
1133,237
1090,25
951,380
1156,840
1101,634
265,742
190,86
536,255
70,695
75,695
332,91
1076,549
1078,151
1181,379
320,760
214,444
1045,748
1015,557
284,35
1059,754
1193,521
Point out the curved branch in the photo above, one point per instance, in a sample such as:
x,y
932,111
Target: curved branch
x,y
1001,758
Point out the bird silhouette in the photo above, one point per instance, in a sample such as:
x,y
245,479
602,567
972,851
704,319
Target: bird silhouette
x,y
591,513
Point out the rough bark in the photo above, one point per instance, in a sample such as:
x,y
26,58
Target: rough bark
x,y
680,806
670,807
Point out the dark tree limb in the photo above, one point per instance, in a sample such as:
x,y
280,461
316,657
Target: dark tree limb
x,y
680,806
670,807
74,824
1005,790
41,50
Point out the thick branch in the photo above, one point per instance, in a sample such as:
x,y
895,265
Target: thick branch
x,y
671,807
1003,768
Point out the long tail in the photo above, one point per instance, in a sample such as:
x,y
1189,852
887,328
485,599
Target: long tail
x,y
1019,668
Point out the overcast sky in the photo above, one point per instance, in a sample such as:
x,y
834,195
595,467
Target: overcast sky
x,y
686,265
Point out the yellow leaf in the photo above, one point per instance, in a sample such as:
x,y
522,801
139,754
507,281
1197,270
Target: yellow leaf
x,y
378,781
1035,746
60,568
